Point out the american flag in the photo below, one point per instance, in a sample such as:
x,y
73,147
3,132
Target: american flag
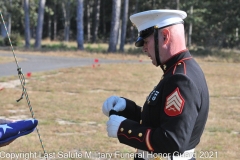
x,y
11,131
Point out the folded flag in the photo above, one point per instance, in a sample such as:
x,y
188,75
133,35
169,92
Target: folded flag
x,y
11,131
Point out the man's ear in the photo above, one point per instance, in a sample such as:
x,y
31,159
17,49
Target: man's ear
x,y
166,35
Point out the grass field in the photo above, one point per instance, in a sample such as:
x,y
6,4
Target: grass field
x,y
68,104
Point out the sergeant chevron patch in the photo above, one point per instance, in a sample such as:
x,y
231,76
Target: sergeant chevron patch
x,y
174,103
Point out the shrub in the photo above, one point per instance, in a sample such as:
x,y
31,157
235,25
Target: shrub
x,y
15,39
1,41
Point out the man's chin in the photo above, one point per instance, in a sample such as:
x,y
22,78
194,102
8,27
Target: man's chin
x,y
154,63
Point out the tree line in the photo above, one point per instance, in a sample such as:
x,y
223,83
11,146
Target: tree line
x,y
209,23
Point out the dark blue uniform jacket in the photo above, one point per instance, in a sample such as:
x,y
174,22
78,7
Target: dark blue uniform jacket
x,y
175,112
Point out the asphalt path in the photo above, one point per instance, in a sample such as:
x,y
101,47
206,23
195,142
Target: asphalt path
x,y
39,63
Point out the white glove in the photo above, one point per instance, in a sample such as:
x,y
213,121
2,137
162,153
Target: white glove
x,y
114,102
113,124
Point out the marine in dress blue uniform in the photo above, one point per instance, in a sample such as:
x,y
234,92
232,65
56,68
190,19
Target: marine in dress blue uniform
x,y
174,114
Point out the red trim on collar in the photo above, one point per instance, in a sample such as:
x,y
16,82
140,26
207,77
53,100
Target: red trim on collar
x,y
175,55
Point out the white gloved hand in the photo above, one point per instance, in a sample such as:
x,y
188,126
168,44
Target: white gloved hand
x,y
114,102
113,124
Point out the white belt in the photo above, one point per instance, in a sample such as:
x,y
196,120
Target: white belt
x,y
162,156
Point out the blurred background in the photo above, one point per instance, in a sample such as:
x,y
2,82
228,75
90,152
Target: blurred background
x,y
209,25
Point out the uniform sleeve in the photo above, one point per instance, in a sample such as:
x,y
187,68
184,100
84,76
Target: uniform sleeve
x,y
132,111
180,103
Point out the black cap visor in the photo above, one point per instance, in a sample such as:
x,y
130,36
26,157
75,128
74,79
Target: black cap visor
x,y
142,35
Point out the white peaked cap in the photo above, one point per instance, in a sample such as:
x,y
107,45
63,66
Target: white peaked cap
x,y
159,18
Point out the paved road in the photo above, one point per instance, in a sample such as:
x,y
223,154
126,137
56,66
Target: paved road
x,y
37,63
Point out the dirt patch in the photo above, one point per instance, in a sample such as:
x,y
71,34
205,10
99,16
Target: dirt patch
x,y
87,123
11,84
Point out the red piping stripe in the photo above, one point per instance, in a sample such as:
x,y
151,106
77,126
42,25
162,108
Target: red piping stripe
x,y
178,62
150,148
